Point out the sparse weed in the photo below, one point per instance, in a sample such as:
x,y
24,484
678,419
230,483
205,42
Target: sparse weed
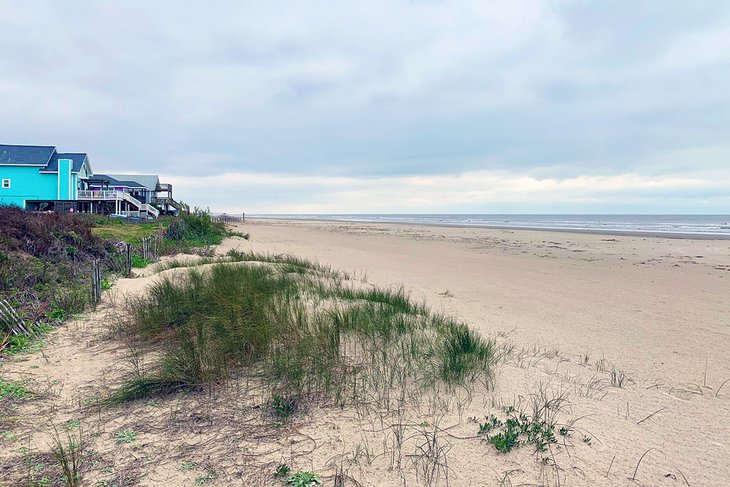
x,y
617,378
209,476
68,452
13,389
303,479
282,470
519,429
282,407
124,436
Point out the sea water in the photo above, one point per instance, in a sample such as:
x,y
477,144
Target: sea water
x,y
679,225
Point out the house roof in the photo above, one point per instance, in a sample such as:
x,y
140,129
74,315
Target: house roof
x,y
30,155
148,181
41,155
112,181
78,158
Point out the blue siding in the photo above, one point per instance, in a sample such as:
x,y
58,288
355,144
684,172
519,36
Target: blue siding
x,y
26,183
65,192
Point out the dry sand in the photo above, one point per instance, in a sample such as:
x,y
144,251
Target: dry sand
x,y
577,307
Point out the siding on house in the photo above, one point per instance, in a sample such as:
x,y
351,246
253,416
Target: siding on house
x,y
26,184
40,173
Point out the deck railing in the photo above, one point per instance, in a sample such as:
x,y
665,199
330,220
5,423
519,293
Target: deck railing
x,y
111,195
100,195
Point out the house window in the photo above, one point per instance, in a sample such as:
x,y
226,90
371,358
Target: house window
x,y
6,183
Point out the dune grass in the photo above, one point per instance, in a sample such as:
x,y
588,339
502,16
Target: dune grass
x,y
303,329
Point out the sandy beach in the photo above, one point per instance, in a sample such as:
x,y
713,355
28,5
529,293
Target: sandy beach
x,y
657,309
621,340
658,306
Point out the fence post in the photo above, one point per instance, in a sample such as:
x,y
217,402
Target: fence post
x,y
95,282
243,217
129,261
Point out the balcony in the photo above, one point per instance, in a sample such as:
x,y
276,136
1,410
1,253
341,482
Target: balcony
x,y
100,195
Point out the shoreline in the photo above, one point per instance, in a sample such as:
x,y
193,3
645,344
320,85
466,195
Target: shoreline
x,y
579,231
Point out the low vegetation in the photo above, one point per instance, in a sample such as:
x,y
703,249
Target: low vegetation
x,y
303,479
303,329
45,261
118,229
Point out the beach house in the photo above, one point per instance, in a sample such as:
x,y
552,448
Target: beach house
x,y
42,179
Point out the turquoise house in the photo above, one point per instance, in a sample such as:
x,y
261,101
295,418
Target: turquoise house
x,y
39,178
31,174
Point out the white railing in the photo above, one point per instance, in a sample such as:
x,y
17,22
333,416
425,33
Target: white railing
x,y
132,199
151,210
111,195
100,195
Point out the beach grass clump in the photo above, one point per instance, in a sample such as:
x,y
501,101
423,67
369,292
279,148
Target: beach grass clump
x,y
303,330
196,229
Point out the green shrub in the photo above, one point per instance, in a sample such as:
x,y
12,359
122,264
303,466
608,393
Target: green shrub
x,y
139,262
196,229
295,324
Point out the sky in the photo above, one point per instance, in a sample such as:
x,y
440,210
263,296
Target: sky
x,y
422,106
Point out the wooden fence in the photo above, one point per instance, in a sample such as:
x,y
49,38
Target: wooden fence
x,y
95,282
226,218
150,247
128,261
12,324
10,321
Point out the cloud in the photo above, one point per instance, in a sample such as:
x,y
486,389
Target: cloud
x,y
476,192
373,91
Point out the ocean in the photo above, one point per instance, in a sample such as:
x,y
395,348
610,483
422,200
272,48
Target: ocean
x,y
670,225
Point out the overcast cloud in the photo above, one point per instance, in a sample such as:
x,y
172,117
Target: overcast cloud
x,y
384,106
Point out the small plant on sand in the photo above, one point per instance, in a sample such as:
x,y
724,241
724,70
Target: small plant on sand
x,y
303,479
618,378
282,471
13,389
188,466
517,429
124,436
203,479
68,452
282,407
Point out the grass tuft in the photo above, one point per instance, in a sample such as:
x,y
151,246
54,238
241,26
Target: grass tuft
x,y
301,328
